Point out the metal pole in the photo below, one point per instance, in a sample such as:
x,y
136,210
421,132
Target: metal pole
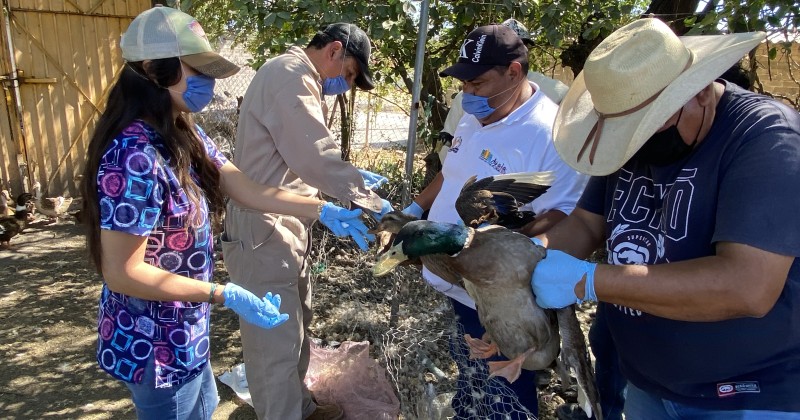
x,y
415,93
22,158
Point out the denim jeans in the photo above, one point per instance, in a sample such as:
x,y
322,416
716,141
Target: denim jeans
x,y
477,396
608,377
192,400
642,405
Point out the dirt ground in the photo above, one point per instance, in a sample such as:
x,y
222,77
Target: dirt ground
x,y
48,307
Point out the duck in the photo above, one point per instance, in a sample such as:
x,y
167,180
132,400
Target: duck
x,y
52,207
5,209
495,264
484,203
492,200
496,200
11,226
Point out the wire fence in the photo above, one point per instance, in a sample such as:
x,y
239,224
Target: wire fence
x,y
378,121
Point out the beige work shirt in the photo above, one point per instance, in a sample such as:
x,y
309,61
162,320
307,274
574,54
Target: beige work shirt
x,y
283,140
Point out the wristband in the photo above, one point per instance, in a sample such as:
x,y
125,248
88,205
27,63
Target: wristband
x,y
211,293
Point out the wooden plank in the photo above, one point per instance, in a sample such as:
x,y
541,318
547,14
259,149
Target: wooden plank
x,y
9,174
23,56
51,123
104,6
28,58
70,28
82,53
72,5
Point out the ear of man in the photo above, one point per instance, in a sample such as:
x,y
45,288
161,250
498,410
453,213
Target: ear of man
x,y
515,70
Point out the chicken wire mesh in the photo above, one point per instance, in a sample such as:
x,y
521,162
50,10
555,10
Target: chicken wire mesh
x,y
408,323
411,327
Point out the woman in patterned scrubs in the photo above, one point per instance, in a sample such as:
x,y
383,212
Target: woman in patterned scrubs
x,y
152,185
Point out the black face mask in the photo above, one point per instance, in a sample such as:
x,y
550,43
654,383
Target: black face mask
x,y
666,147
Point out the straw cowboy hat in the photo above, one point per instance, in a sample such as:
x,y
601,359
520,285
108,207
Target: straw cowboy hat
x,y
631,84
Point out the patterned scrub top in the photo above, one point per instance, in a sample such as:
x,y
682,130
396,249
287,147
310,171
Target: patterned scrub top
x,y
140,194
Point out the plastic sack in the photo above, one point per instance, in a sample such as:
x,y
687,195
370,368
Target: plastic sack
x,y
349,377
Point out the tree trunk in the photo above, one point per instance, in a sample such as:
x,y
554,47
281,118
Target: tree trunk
x,y
673,12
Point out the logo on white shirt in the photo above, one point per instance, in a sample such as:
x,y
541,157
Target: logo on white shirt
x,y
498,166
455,144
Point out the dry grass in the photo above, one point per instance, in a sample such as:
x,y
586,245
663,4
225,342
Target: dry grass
x,y
48,307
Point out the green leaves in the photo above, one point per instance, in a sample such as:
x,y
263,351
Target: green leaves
x,y
268,27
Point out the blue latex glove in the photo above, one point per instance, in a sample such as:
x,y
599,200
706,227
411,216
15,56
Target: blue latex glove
x,y
264,313
414,209
372,180
385,208
555,277
332,217
343,222
537,241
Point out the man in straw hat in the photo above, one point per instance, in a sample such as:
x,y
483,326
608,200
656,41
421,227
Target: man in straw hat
x,y
283,140
508,129
695,194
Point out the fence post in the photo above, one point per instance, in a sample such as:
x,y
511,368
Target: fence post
x,y
412,125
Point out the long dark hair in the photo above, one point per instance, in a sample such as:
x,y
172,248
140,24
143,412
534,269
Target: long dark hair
x,y
139,93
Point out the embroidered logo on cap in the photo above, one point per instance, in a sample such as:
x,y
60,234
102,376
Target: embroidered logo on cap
x,y
195,27
476,57
463,52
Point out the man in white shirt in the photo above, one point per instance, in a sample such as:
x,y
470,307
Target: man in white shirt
x,y
552,88
507,128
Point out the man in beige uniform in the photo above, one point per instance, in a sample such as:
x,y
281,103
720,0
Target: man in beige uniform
x,y
283,140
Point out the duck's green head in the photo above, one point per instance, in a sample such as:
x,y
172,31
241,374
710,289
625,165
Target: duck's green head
x,y
422,237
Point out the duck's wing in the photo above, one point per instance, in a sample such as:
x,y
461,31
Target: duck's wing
x,y
575,357
499,197
515,219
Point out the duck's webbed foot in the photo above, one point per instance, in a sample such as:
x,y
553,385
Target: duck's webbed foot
x,y
480,349
509,369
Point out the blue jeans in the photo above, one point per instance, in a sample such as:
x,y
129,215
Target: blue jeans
x,y
608,377
192,400
642,405
477,396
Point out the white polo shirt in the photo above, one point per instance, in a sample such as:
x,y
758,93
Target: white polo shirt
x,y
520,142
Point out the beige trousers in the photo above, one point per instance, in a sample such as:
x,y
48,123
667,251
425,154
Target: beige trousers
x,y
267,253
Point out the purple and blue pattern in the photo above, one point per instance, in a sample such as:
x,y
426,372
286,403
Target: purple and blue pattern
x,y
139,194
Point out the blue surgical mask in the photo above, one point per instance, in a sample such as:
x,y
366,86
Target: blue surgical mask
x,y
335,85
476,105
199,92
479,105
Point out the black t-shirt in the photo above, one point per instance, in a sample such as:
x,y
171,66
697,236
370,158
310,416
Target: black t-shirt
x,y
741,184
